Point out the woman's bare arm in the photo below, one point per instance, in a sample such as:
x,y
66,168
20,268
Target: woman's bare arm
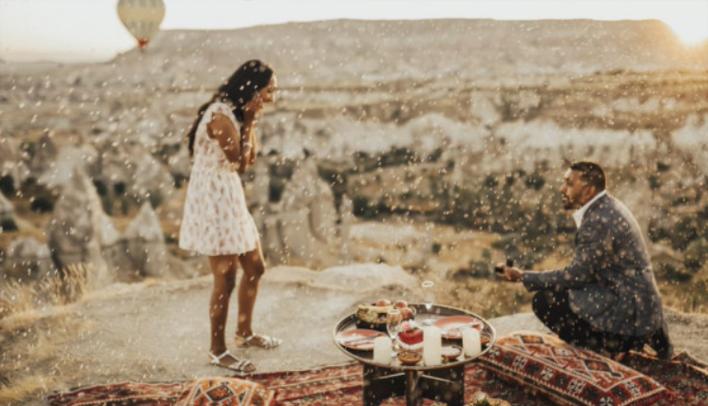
x,y
248,146
222,129
254,150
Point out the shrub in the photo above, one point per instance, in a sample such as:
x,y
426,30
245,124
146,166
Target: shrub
x,y
696,254
42,204
669,272
654,182
276,186
436,247
657,230
362,208
662,166
535,181
7,225
490,182
7,185
119,188
155,199
685,231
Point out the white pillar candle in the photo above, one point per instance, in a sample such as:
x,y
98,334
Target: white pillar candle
x,y
471,342
382,350
432,345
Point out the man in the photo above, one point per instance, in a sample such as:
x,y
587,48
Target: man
x,y
606,299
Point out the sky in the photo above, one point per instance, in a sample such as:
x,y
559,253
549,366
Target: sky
x,y
89,30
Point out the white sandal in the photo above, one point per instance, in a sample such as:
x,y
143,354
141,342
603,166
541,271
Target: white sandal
x,y
243,366
258,340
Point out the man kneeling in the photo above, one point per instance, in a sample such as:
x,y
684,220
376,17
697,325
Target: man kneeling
x,y
606,299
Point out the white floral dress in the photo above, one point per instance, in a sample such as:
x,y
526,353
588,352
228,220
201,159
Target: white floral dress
x,y
216,220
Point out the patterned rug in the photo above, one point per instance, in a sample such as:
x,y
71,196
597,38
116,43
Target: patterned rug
x,y
128,393
342,386
570,375
685,377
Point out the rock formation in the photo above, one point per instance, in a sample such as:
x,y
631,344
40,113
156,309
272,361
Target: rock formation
x,y
150,180
145,243
131,175
302,227
7,215
56,173
180,165
44,152
26,260
74,231
13,171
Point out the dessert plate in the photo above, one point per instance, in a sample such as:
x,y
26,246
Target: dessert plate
x,y
451,326
358,339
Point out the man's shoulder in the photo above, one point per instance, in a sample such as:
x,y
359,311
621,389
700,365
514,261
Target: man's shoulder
x,y
608,212
602,213
605,205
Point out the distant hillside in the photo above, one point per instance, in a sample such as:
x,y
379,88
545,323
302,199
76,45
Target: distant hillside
x,y
365,51
351,52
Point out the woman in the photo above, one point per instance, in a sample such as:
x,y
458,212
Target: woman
x,y
216,220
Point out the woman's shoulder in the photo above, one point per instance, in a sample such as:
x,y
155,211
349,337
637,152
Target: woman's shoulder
x,y
222,107
219,108
222,120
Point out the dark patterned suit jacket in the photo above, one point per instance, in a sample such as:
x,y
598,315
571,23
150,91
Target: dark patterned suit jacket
x,y
610,282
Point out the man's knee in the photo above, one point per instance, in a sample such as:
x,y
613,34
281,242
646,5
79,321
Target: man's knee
x,y
540,304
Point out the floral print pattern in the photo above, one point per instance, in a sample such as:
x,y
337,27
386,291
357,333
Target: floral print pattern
x,y
215,220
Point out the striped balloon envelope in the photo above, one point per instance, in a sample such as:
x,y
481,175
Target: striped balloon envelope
x,y
142,18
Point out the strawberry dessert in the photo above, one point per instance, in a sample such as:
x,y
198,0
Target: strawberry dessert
x,y
411,336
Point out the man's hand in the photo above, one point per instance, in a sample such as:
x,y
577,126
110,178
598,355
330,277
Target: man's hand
x,y
510,273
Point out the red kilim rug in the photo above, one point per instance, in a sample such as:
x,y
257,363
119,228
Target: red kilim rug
x,y
686,378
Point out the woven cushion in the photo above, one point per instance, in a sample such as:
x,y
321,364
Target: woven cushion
x,y
568,375
226,391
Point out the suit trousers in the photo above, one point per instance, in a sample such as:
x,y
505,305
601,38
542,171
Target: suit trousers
x,y
553,309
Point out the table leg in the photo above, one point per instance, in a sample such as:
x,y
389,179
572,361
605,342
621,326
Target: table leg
x,y
380,384
413,392
447,385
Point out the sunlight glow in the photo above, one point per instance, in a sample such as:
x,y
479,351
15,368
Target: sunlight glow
x,y
690,31
74,30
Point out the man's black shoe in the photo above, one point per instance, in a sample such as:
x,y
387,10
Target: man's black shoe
x,y
661,342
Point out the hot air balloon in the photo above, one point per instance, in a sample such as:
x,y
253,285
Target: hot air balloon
x,y
142,18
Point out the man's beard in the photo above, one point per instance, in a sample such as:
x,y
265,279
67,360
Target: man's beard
x,y
567,203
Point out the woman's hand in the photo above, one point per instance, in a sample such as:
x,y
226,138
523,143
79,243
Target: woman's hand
x,y
252,112
254,151
248,149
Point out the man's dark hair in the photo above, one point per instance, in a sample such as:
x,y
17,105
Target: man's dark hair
x,y
591,173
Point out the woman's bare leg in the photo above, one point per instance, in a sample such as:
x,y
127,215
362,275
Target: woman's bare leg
x,y
224,270
253,266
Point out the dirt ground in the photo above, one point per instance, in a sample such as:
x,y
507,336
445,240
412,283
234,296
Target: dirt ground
x,y
158,331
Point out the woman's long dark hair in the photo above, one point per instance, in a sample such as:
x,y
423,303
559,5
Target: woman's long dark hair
x,y
238,90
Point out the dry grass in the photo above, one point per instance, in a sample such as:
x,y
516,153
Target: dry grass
x,y
25,229
26,319
18,392
690,299
488,298
26,348
57,289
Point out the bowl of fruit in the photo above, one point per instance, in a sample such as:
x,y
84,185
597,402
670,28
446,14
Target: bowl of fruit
x,y
375,315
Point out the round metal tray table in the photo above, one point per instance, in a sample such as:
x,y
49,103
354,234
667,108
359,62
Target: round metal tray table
x,y
443,382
